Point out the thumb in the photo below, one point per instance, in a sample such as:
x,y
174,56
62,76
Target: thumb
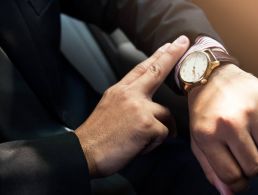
x,y
160,68
209,172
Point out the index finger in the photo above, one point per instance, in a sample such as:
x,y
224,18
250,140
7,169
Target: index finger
x,y
159,70
141,68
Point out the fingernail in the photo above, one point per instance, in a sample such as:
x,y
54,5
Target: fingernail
x,y
164,48
182,40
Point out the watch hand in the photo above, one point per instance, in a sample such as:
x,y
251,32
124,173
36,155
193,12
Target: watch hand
x,y
194,73
194,67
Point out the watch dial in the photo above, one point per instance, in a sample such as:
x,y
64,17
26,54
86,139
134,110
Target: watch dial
x,y
193,67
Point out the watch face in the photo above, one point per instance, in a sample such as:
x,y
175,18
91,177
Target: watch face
x,y
194,67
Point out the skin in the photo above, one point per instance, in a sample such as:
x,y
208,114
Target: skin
x,y
126,122
224,122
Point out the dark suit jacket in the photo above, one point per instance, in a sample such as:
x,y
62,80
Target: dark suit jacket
x,y
30,36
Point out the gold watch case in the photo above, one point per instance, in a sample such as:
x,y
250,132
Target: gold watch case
x,y
213,63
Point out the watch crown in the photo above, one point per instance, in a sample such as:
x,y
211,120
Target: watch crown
x,y
204,81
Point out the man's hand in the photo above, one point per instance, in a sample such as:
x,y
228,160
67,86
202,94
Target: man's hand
x,y
126,121
224,127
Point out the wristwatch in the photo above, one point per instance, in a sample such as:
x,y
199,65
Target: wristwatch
x,y
197,67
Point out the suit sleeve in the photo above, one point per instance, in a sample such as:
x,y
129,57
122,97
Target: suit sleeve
x,y
147,23
54,165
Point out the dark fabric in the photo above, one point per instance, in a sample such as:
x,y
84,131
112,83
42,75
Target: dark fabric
x,y
172,169
32,43
30,35
148,24
53,165
169,169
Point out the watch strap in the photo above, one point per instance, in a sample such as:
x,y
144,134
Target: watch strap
x,y
223,57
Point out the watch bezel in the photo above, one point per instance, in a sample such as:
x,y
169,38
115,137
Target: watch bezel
x,y
203,52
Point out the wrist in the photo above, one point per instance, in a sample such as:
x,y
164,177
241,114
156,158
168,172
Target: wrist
x,y
220,77
87,153
225,70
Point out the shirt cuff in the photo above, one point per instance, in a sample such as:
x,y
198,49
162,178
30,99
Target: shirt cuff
x,y
201,43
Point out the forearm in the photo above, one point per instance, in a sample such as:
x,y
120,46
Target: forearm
x,y
152,23
53,165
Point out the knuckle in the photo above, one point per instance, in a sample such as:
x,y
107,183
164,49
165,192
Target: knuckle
x,y
175,48
227,121
203,134
162,132
252,170
156,55
140,68
135,106
232,124
155,69
145,122
120,94
232,177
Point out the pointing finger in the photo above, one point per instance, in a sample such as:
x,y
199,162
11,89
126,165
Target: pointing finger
x,y
158,70
141,68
